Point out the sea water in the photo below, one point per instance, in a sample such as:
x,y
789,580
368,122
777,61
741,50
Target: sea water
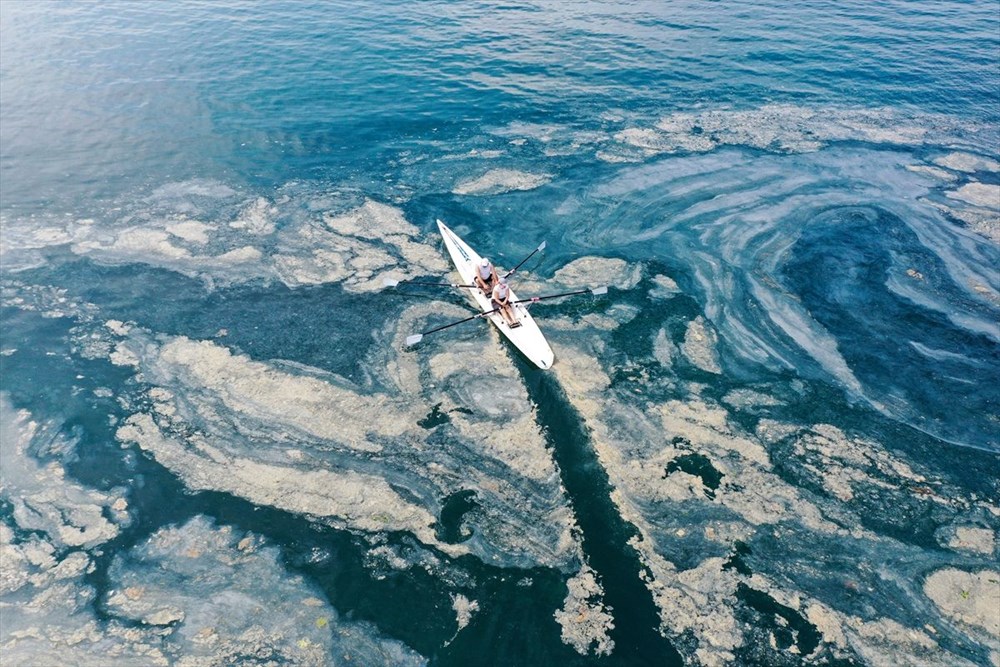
x,y
774,441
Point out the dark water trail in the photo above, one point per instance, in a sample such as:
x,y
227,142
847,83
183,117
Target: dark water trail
x,y
605,533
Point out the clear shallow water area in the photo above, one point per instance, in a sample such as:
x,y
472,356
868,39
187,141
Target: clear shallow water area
x,y
774,441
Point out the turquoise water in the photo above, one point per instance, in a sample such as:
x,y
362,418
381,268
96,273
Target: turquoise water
x,y
773,442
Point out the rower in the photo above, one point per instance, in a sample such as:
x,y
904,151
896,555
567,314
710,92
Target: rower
x,y
501,301
486,276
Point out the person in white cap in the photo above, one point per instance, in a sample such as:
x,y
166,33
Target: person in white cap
x,y
501,301
486,276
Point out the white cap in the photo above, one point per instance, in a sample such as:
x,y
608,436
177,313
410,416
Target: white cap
x,y
503,281
485,262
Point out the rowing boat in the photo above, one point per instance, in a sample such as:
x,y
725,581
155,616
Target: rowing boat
x,y
527,337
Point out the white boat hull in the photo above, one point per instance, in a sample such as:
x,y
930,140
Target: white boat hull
x,y
528,337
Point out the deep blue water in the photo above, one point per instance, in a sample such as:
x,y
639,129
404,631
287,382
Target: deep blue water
x,y
796,206
132,95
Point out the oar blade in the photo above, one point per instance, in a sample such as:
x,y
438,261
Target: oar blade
x,y
389,282
414,339
542,247
600,290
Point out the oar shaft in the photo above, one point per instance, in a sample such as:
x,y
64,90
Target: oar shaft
x,y
552,296
467,319
417,282
521,263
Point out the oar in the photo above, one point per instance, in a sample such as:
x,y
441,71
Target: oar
x,y
541,247
594,290
389,282
416,338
